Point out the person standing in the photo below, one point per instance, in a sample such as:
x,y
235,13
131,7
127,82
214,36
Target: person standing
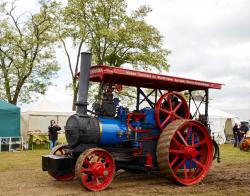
x,y
236,130
244,128
53,135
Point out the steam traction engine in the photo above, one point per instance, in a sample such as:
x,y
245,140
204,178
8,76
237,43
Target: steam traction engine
x,y
161,137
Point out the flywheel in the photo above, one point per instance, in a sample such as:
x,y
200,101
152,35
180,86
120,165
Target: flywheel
x,y
169,107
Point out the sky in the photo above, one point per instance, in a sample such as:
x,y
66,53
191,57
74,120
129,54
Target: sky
x,y
209,40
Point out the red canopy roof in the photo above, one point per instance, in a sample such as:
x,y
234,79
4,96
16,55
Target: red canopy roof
x,y
129,77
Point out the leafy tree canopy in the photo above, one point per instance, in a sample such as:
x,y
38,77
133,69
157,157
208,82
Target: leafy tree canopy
x,y
27,57
114,36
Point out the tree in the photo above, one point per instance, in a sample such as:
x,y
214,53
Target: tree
x,y
111,35
27,57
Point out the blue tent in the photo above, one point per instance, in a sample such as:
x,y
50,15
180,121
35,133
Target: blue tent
x,y
9,120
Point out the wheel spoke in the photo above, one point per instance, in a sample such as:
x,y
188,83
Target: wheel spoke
x,y
164,111
86,169
190,165
185,171
84,177
179,165
187,134
175,151
177,107
190,173
177,116
170,103
99,158
86,161
198,163
106,161
92,180
166,120
176,142
204,141
109,170
183,140
95,157
192,138
174,161
97,181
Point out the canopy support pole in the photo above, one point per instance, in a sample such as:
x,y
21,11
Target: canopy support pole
x,y
206,108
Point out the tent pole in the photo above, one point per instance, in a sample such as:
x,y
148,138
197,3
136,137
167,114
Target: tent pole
x,y
9,143
21,143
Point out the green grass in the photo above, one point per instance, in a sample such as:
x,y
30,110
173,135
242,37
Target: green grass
x,y
229,155
21,160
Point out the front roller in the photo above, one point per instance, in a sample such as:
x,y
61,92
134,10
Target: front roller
x,y
95,169
185,151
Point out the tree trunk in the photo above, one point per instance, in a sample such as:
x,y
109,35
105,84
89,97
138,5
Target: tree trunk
x,y
75,93
74,99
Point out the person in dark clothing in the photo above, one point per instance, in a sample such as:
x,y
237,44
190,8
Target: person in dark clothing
x,y
53,135
244,128
236,133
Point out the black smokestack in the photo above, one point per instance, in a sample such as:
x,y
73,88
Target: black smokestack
x,y
84,84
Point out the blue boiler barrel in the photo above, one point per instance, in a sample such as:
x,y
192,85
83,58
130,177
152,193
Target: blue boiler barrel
x,y
112,131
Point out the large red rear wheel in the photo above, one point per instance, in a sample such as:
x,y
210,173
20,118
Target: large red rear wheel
x,y
95,169
60,150
169,107
185,150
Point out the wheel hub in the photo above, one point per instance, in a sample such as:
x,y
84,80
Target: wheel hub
x,y
98,169
190,152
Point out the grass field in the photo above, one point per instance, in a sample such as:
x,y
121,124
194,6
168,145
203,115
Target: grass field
x,y
20,174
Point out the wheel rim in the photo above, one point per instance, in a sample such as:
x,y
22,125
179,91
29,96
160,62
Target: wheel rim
x,y
165,111
186,150
60,150
95,169
63,177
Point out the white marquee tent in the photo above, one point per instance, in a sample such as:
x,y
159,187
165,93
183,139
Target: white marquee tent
x,y
38,118
221,122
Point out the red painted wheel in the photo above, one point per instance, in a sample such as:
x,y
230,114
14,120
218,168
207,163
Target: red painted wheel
x,y
60,150
95,169
169,107
186,150
244,145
